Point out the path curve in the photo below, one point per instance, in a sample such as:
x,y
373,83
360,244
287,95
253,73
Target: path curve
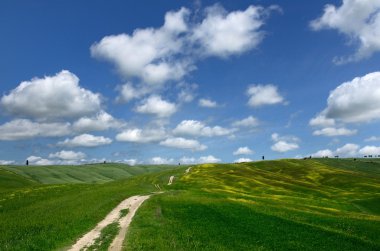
x,y
132,203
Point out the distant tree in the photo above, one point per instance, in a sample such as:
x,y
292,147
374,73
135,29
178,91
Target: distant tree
x,y
263,157
27,162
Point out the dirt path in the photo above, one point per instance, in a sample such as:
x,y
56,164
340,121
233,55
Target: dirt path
x,y
132,203
171,179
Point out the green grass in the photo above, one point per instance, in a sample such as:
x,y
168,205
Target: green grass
x,y
317,204
94,173
49,217
106,237
322,204
10,180
124,212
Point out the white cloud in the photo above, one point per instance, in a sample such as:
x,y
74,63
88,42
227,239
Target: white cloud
x,y
347,150
243,150
7,162
188,160
284,143
148,53
158,55
332,132
355,101
183,143
38,161
142,135
187,93
241,160
198,128
59,96
100,122
161,161
250,121
207,103
359,20
129,92
155,105
19,129
283,146
373,138
200,160
68,155
370,150
322,121
85,140
223,34
260,95
323,153
209,159
131,162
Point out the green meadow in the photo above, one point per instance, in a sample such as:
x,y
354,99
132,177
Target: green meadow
x,y
313,204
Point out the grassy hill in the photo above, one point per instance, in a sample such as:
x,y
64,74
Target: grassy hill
x,y
35,216
317,204
323,204
94,173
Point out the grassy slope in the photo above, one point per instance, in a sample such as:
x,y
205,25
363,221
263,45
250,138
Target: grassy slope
x,y
324,204
46,217
95,173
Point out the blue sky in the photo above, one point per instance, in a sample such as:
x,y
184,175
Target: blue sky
x,y
188,81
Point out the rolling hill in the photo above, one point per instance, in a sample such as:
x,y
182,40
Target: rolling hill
x,y
313,204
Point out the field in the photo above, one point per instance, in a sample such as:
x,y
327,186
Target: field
x,y
316,204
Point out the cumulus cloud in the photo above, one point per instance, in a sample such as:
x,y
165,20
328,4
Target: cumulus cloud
x,y
161,161
349,150
243,150
370,150
155,56
260,95
138,135
7,162
148,53
198,128
284,143
183,143
209,159
357,19
372,138
200,160
20,129
85,140
51,97
323,153
100,122
250,121
322,121
283,146
356,101
332,132
131,162
68,155
222,34
241,160
203,102
39,161
128,92
187,92
155,105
